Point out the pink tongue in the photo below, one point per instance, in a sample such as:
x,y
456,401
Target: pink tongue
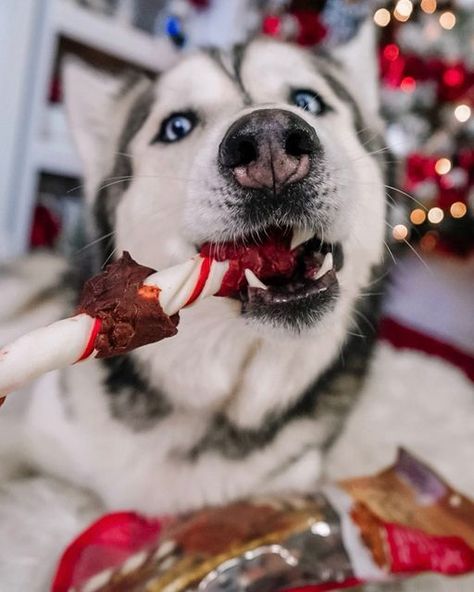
x,y
270,259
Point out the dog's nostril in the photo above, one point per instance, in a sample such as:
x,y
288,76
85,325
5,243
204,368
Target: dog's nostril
x,y
246,152
238,151
298,143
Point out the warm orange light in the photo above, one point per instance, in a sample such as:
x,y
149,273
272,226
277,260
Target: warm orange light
x,y
443,166
382,17
399,16
447,20
400,232
458,209
435,215
428,6
418,216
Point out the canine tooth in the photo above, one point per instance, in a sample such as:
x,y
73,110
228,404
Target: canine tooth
x,y
300,236
253,280
325,267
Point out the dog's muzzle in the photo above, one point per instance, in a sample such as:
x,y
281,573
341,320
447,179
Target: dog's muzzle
x,y
269,149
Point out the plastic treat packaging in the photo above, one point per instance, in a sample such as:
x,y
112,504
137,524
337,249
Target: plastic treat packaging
x,y
403,521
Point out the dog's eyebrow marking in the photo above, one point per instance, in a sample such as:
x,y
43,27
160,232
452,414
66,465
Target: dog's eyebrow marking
x,y
370,141
109,196
230,63
239,52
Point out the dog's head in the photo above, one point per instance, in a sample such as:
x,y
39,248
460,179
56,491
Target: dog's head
x,y
269,144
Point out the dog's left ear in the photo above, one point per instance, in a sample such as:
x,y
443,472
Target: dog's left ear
x,y
359,59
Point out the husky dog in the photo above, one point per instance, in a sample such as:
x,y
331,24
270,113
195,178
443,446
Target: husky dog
x,y
263,143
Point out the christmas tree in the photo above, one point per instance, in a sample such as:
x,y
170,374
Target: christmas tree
x,y
426,65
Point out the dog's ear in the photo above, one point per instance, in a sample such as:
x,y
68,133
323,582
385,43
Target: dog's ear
x,y
359,59
90,96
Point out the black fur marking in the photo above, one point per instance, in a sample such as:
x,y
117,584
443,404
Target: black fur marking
x,y
330,398
238,52
371,141
119,180
132,400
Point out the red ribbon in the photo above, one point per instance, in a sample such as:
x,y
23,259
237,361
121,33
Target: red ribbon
x,y
91,343
202,279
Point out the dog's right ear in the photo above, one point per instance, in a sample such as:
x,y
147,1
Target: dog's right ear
x,y
89,96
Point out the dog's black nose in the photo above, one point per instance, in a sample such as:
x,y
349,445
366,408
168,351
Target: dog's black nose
x,y
268,148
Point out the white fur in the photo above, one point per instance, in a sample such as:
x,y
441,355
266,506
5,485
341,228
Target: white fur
x,y
30,510
218,362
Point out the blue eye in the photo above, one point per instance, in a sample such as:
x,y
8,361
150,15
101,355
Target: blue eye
x,y
176,127
309,101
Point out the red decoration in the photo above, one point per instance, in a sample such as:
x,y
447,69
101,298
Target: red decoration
x,y
200,3
107,543
312,31
453,81
45,228
408,84
448,188
271,25
391,52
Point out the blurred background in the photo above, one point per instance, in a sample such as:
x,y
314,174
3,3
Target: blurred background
x,y
426,59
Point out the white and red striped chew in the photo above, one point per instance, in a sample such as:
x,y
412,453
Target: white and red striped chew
x,y
72,340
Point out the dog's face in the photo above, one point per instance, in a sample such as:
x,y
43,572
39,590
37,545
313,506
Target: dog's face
x,y
264,146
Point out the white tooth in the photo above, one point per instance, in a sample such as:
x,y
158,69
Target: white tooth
x,y
325,267
253,280
300,236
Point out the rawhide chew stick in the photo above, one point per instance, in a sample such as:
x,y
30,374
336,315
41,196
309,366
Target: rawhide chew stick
x,y
125,307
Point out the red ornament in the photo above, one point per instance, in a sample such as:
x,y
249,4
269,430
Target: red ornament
x,y
391,52
45,228
419,168
311,29
200,3
455,82
408,84
271,25
454,76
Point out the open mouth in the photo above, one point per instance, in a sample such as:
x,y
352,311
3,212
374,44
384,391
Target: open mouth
x,y
286,270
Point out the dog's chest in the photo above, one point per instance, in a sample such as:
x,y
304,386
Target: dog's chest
x,y
182,460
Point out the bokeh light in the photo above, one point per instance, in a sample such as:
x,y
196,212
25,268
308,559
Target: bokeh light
x,y
462,113
435,215
443,166
418,216
400,232
447,20
429,6
458,209
382,17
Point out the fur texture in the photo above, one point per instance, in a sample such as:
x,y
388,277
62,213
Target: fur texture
x,y
231,406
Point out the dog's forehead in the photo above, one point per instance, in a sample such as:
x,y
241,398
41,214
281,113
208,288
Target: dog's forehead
x,y
269,67
266,58
196,80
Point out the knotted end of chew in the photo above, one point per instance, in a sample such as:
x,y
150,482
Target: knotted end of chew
x,y
130,313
